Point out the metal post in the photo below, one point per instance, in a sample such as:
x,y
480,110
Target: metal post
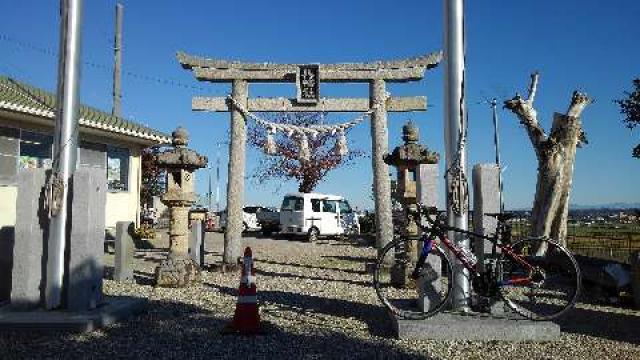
x,y
117,51
496,141
218,178
235,184
209,203
65,144
454,142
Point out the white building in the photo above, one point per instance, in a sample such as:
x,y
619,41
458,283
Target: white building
x,y
27,117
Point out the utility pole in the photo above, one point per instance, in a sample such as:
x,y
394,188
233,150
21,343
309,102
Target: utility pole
x,y
454,137
65,147
218,177
209,205
496,142
117,53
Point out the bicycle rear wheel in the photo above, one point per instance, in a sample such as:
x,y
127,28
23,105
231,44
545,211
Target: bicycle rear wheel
x,y
405,296
548,290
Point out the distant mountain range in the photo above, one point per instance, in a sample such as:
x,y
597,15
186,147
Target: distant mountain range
x,y
617,205
579,207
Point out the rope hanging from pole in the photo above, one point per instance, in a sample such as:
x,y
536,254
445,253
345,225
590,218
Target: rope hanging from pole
x,y
302,133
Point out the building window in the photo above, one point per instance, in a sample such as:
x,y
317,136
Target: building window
x,y
9,151
117,168
35,150
21,149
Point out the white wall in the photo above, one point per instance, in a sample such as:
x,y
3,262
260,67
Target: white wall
x,y
120,206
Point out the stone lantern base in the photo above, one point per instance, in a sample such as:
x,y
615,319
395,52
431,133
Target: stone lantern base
x,y
177,272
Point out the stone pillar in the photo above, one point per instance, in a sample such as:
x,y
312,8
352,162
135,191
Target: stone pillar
x,y
125,248
235,177
486,199
196,242
179,231
84,267
427,184
427,194
381,183
31,233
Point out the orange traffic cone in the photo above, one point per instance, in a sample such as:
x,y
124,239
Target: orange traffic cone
x,y
246,319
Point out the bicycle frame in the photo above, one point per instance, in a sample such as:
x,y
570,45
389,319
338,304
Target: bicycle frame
x,y
440,230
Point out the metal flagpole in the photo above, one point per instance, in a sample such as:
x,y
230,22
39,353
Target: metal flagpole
x,y
496,141
218,178
65,147
209,205
455,133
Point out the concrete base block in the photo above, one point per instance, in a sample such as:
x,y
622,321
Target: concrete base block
x,y
451,326
177,272
31,233
196,243
113,310
125,249
84,268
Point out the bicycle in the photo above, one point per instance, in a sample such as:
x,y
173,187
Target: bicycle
x,y
415,282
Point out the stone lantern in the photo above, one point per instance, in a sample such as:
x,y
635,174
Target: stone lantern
x,y
407,159
179,269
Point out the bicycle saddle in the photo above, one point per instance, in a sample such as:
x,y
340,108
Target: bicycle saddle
x,y
502,217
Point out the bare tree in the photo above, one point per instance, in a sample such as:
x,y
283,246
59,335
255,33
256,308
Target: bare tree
x,y
285,164
153,178
556,156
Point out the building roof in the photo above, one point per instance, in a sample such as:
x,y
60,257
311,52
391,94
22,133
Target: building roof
x,y
23,98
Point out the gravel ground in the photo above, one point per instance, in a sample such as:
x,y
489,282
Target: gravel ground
x,y
316,301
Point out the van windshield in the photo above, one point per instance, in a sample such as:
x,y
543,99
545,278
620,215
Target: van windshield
x,y
292,203
330,206
345,208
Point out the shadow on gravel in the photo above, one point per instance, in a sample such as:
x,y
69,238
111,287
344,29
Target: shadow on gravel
x,y
351,271
170,330
602,324
360,259
140,277
374,316
287,275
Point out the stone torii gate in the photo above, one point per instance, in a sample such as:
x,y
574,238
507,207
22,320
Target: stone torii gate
x,y
307,79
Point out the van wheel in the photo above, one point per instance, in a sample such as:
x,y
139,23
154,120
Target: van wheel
x,y
245,227
313,234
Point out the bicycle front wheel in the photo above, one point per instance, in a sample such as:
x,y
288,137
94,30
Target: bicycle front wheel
x,y
408,293
545,291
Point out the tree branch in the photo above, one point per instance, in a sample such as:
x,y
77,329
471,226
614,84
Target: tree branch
x,y
527,114
579,102
533,87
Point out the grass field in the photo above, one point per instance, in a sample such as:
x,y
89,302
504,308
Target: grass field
x,y
604,241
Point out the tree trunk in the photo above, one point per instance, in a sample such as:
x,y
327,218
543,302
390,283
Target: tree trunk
x,y
307,185
556,158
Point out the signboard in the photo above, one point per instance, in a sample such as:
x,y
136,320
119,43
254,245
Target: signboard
x,y
308,84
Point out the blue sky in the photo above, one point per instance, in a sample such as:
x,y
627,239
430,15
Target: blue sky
x,y
588,45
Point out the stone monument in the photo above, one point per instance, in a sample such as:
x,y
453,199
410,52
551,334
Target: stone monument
x,y
179,269
407,159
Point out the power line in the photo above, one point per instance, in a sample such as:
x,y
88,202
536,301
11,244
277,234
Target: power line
x,y
19,44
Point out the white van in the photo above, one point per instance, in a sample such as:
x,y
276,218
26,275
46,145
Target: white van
x,y
313,215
